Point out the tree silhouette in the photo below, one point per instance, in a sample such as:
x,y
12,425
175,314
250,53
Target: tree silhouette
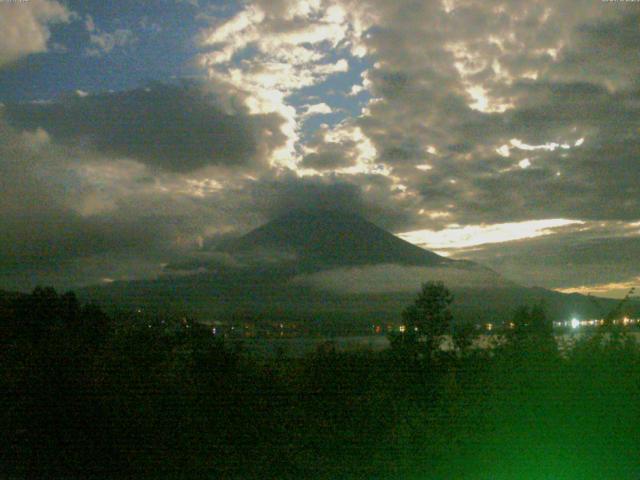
x,y
532,330
463,336
616,313
428,318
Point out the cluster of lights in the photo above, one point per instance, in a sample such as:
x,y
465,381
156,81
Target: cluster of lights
x,y
575,323
403,328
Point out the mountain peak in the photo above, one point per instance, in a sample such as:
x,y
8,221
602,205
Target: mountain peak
x,y
333,237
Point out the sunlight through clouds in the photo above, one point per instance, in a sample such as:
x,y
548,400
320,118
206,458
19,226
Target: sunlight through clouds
x,y
456,236
613,290
290,54
474,128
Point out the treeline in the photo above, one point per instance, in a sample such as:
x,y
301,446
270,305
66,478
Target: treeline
x,y
89,395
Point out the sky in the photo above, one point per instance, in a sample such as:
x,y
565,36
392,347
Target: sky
x,y
133,134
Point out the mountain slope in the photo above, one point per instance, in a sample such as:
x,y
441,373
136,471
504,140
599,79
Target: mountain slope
x,y
332,238
333,268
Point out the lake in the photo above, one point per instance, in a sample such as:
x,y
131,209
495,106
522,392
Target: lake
x,y
300,347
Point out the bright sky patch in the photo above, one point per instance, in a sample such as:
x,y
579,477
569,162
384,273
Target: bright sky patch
x,y
474,235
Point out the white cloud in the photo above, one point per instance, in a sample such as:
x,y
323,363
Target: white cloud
x,y
89,24
364,152
103,43
551,146
524,163
317,109
25,27
503,150
37,139
356,90
295,43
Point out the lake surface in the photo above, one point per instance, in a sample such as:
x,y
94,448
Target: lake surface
x,y
300,347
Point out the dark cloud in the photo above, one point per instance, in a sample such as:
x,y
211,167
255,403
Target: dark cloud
x,y
283,195
365,195
66,227
328,159
574,256
403,151
70,217
605,49
557,81
50,236
566,178
177,128
594,180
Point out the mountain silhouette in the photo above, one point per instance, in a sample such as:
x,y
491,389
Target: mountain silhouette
x,y
331,238
328,267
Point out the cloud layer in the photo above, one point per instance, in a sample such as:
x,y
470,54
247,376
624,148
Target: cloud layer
x,y
177,128
450,117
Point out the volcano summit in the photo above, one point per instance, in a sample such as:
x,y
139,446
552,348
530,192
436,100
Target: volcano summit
x,y
328,266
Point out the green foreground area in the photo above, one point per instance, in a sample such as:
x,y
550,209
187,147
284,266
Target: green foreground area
x,y
86,395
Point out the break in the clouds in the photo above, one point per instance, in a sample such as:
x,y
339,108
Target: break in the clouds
x,y
501,131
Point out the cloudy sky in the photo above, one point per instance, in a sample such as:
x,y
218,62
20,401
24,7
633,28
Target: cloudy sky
x,y
135,133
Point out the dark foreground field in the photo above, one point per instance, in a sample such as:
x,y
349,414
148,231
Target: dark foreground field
x,y
86,395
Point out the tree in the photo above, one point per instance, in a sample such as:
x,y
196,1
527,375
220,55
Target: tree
x,y
463,337
616,313
532,330
428,318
